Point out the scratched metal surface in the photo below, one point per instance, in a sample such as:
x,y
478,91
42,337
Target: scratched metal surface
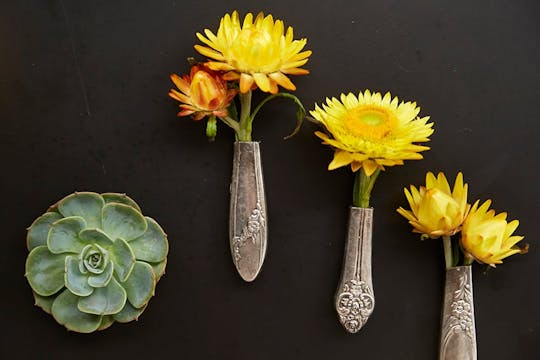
x,y
83,106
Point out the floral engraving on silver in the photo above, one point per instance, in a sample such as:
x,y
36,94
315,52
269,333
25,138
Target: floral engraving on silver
x,y
247,217
458,337
355,300
355,305
251,232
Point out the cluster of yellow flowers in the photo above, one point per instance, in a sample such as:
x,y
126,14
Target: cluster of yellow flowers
x,y
368,131
438,211
255,53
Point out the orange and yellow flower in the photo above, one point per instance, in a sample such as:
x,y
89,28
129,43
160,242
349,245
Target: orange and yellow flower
x,y
435,209
488,237
203,92
371,131
257,52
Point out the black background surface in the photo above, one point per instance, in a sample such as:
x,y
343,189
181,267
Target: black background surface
x,y
83,106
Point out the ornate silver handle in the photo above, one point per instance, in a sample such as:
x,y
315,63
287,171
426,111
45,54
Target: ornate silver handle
x,y
458,335
247,217
354,297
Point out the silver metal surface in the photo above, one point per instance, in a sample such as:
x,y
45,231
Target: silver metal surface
x,y
458,335
354,297
247,218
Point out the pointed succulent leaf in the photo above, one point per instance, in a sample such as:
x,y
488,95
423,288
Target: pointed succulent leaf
x,y
44,302
102,279
87,205
106,321
39,230
64,235
107,300
96,236
45,271
122,199
152,246
123,259
65,311
140,284
76,281
159,269
122,221
128,313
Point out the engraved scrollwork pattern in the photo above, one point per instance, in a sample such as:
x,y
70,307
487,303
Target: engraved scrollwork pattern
x,y
461,318
355,304
250,232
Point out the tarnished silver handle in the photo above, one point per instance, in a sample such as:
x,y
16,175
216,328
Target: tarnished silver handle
x,y
458,335
247,217
354,297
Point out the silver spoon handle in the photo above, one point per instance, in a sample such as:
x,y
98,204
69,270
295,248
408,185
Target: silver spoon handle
x,y
247,217
354,299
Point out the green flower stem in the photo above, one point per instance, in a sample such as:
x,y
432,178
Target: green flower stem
x,y
468,260
244,131
231,123
363,185
300,115
447,243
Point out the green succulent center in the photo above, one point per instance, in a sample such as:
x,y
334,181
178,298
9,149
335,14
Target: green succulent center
x,y
94,258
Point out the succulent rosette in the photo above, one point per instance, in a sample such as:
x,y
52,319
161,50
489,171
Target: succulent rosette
x,y
94,259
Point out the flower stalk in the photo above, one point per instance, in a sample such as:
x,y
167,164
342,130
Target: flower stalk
x,y
447,245
363,184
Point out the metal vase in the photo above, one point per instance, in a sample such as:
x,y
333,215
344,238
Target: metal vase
x,y
354,297
458,335
247,218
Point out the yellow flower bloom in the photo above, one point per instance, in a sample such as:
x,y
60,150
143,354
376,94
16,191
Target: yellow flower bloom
x,y
435,210
257,53
371,131
488,237
202,93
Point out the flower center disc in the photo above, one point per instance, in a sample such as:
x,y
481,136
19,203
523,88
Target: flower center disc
x,y
253,51
370,122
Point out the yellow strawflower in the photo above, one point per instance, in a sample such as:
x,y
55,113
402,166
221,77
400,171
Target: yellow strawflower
x,y
488,237
257,52
370,131
435,210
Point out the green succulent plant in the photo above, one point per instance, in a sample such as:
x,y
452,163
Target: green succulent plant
x,y
94,259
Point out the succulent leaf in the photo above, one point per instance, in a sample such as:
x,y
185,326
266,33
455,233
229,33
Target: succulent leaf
x,y
76,281
45,271
140,284
96,236
122,221
65,311
87,205
128,313
107,300
152,246
123,258
39,230
64,235
44,302
159,269
106,321
122,199
94,259
102,279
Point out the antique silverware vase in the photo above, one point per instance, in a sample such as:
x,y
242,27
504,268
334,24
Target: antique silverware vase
x,y
247,218
458,335
354,299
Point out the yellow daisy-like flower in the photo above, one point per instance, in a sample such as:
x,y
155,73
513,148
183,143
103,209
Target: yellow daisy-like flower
x,y
488,237
435,210
257,52
371,131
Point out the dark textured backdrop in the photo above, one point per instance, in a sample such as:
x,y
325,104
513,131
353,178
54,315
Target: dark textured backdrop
x,y
83,106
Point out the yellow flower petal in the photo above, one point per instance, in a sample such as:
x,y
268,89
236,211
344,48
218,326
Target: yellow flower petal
x,y
341,158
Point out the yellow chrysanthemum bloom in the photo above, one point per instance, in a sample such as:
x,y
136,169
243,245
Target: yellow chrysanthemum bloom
x,y
435,210
257,52
371,131
488,237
